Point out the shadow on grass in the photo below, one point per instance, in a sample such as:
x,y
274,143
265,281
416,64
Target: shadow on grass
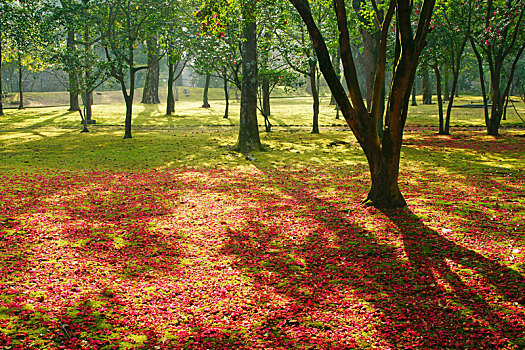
x,y
443,296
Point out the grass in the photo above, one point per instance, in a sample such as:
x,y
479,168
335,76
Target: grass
x,y
171,240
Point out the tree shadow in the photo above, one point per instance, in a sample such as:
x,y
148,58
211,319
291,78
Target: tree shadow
x,y
422,300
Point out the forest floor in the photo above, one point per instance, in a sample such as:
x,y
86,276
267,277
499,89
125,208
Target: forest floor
x,y
170,240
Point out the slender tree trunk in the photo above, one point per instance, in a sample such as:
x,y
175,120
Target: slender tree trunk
x,y
20,83
128,98
249,139
88,99
336,63
170,101
315,96
446,96
150,94
205,103
414,93
226,96
456,59
427,90
266,96
496,112
442,128
1,89
73,75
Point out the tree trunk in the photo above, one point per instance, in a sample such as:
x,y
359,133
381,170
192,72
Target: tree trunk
x,y
128,98
336,59
442,128
456,60
1,90
205,103
498,101
150,94
20,83
427,90
226,96
248,139
446,94
73,75
266,96
315,96
170,101
414,93
88,99
371,52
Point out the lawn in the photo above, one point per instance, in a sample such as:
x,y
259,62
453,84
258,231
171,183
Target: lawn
x,y
170,240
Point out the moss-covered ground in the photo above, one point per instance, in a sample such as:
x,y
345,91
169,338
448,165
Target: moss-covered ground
x,y
171,240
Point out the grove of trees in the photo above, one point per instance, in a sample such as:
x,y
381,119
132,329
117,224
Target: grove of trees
x,y
370,54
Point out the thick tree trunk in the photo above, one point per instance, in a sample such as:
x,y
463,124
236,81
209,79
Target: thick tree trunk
x,y
427,89
170,100
383,155
73,76
315,97
226,97
249,139
205,103
150,94
442,128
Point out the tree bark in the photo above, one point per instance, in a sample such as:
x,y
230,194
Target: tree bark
x,y
226,96
20,83
88,98
170,100
266,96
249,139
1,89
315,97
414,93
446,92
427,90
150,94
205,103
73,75
442,128
128,98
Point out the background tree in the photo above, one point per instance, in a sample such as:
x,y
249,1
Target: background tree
x,y
28,29
499,41
383,155
296,49
446,45
150,93
126,24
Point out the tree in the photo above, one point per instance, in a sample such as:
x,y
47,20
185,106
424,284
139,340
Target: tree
x,y
27,30
126,24
248,139
4,18
447,40
296,49
498,41
150,94
383,155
